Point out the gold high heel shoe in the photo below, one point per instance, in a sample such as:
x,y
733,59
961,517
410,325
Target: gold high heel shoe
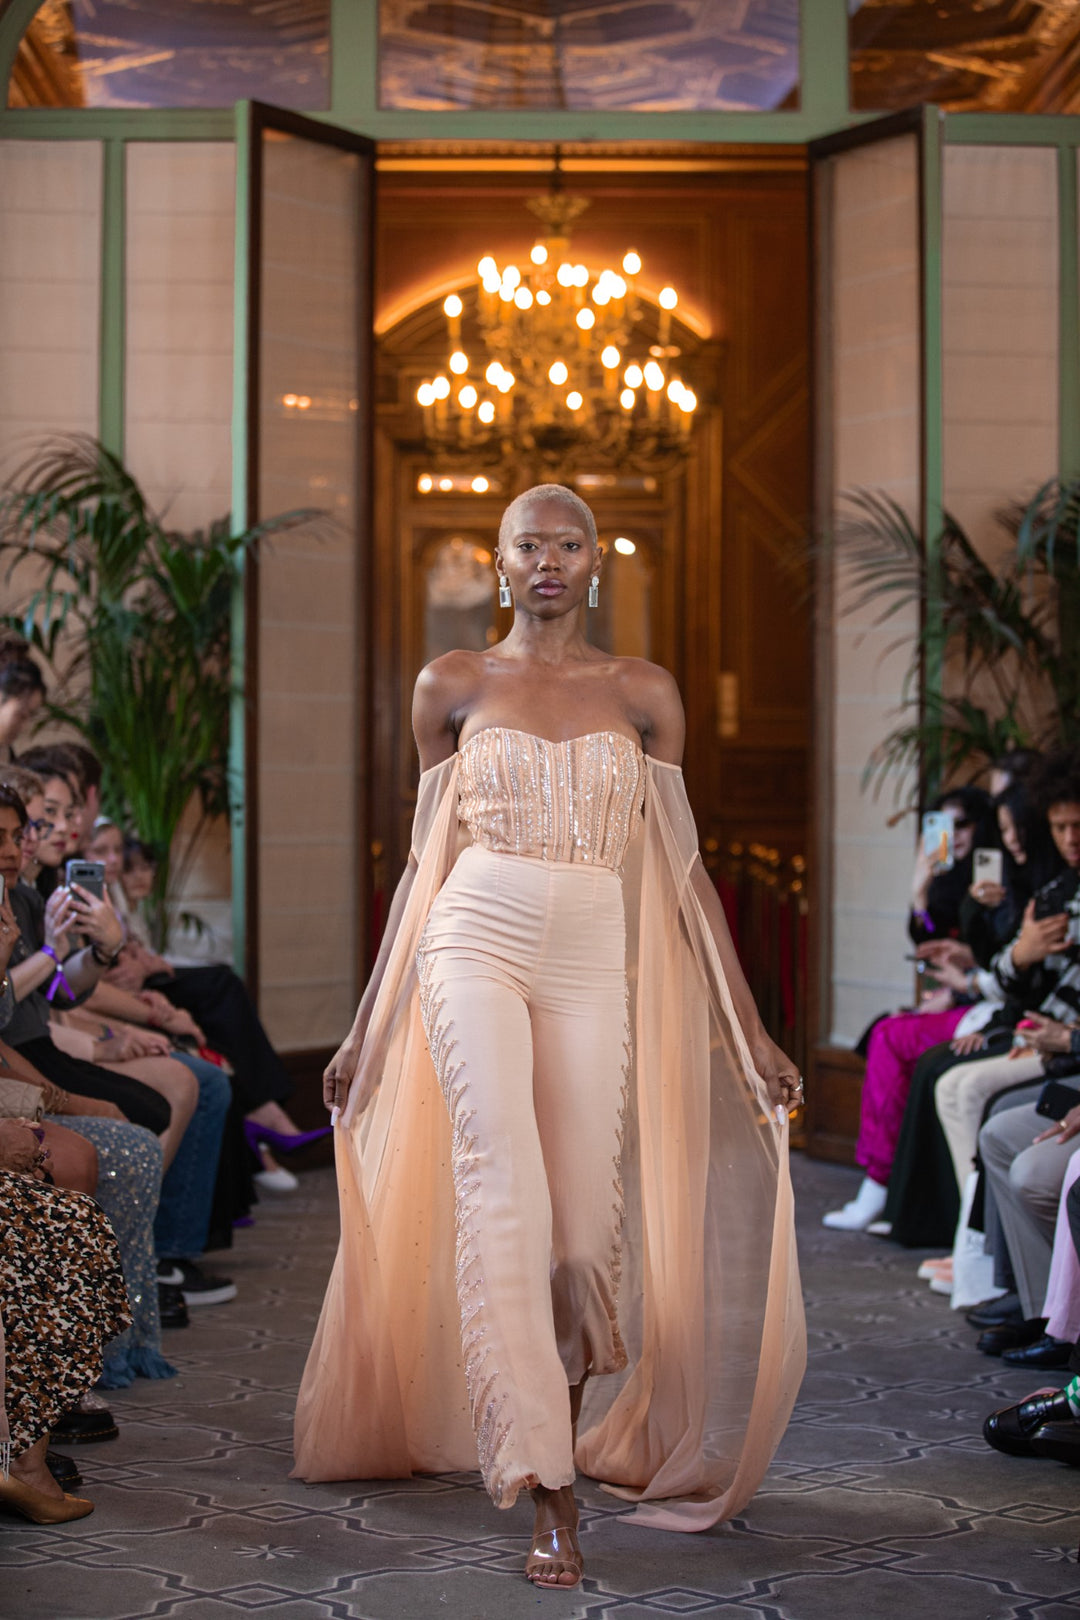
x,y
37,1506
558,1546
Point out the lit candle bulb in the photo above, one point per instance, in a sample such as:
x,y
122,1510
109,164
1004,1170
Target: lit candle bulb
x,y
667,300
452,307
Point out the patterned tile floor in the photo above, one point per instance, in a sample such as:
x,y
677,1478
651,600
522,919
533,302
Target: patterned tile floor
x,y
883,1501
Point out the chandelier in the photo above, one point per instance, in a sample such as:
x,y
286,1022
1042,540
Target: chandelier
x,y
560,364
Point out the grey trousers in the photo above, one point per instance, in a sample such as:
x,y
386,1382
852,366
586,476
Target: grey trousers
x,y
1025,1180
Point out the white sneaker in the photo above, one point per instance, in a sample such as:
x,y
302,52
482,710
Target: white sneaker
x,y
276,1181
867,1206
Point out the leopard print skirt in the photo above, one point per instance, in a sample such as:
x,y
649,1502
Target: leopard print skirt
x,y
62,1297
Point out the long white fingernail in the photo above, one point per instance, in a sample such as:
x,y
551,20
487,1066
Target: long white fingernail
x,y
335,1115
781,1113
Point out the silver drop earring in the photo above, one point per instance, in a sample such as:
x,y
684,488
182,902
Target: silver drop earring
x,y
594,592
505,599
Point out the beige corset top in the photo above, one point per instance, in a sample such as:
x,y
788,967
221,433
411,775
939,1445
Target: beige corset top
x,y
520,794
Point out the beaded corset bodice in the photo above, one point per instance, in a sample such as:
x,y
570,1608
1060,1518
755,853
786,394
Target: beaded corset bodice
x,y
578,800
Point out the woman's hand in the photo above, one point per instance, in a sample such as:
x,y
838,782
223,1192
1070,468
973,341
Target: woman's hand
x,y
177,1020
965,1045
987,894
1039,937
953,978
97,920
340,1072
20,1148
943,953
1046,1034
1064,1130
59,917
127,1044
130,972
920,881
782,1079
9,935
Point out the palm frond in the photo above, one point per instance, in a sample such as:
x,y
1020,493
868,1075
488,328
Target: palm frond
x,y
134,620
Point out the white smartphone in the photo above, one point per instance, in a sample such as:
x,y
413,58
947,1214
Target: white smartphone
x,y
987,866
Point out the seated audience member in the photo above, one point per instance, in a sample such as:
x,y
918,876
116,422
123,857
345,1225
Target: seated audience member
x,y
213,996
57,769
896,1043
62,1299
1061,1306
1025,1166
236,1192
1011,768
199,1096
22,690
923,1200
991,914
1047,1424
1039,969
188,1201
43,966
936,896
88,766
144,1056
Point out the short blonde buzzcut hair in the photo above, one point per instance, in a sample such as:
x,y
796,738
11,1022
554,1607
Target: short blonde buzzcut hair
x,y
551,492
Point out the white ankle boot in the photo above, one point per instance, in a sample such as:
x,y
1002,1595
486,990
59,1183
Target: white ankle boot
x,y
867,1206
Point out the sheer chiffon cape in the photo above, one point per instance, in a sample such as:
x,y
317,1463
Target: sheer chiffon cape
x,y
709,1303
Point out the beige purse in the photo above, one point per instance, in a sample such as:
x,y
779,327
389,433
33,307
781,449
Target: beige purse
x,y
19,1099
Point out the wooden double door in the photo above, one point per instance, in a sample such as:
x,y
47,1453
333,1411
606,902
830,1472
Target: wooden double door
x,y
343,268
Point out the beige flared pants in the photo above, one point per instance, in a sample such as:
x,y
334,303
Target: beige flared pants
x,y
523,993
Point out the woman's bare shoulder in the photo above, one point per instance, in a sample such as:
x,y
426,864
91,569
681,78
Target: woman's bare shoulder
x,y
449,671
650,685
441,696
653,701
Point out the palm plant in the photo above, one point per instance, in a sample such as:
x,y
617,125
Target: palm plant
x,y
1007,639
134,620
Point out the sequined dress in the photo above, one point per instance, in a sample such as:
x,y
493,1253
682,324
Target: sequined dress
x,y
554,1177
522,972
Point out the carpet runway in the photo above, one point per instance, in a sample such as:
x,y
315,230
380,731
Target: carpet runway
x,y
883,1501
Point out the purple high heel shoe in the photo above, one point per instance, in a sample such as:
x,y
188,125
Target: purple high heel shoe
x,y
277,1140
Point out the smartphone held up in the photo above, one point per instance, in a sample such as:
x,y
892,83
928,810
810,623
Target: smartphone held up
x,y
937,840
88,875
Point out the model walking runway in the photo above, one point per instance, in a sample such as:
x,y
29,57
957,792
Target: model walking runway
x,y
562,1143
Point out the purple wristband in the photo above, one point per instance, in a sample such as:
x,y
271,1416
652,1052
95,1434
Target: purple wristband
x,y
58,980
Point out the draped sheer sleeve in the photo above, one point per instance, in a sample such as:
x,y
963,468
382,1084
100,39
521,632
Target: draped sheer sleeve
x,y
710,1307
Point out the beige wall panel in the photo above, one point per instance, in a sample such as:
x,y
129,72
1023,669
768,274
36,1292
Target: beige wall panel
x,y
308,716
872,329
178,389
1000,370
50,290
321,799
179,265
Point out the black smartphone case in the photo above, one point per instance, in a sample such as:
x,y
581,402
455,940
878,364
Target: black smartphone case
x,y
1055,1100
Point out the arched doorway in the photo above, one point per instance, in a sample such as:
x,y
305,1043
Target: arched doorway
x,y
436,527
